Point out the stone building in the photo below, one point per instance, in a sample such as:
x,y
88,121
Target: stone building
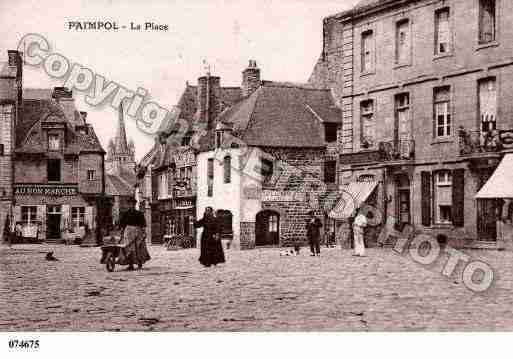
x,y
167,173
428,121
10,111
120,170
56,180
271,160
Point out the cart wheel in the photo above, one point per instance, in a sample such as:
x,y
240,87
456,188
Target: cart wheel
x,y
110,262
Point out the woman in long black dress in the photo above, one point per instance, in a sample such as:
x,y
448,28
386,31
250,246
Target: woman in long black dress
x,y
211,248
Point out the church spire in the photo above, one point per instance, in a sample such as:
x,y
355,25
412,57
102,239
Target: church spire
x,y
121,145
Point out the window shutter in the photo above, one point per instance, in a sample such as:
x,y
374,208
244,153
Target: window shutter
x,y
458,197
425,178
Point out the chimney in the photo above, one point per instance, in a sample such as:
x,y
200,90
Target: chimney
x,y
250,79
209,94
64,97
14,57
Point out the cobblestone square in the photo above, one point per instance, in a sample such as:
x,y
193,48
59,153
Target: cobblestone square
x,y
256,290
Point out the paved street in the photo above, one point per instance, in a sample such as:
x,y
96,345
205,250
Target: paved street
x,y
254,290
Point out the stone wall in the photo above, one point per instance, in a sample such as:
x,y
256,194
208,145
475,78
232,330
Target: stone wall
x,y
247,235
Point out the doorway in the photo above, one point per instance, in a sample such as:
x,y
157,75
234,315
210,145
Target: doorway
x,y
53,221
403,206
267,228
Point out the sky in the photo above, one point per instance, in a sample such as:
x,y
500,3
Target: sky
x,y
284,37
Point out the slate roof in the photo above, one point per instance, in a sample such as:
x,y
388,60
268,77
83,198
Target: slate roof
x,y
38,109
117,186
188,107
6,70
283,115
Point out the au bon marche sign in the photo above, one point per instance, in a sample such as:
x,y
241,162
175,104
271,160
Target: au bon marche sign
x,y
46,190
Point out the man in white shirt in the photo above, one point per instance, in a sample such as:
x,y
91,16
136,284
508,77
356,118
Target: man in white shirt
x,y
359,225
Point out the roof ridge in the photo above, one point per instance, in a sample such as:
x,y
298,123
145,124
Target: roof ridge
x,y
285,84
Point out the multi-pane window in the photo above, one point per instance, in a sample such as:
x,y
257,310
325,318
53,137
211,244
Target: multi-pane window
x,y
273,223
90,175
443,197
402,42
54,170
53,142
77,217
330,171
227,167
487,21
28,214
368,51
367,123
210,177
487,104
442,31
442,111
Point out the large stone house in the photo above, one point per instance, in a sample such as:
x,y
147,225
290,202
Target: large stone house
x,y
425,91
167,173
55,183
271,160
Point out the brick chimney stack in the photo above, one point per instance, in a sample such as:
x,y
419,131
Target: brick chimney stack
x,y
250,79
209,94
64,97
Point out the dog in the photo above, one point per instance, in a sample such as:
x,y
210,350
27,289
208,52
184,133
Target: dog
x,y
289,252
50,257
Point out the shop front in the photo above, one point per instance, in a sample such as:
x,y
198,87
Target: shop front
x,y
177,224
52,212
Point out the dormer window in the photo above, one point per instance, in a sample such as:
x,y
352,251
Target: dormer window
x,y
54,142
330,132
186,140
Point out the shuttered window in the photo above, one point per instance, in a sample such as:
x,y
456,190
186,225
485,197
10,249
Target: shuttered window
x,y
425,178
458,197
442,31
443,197
488,104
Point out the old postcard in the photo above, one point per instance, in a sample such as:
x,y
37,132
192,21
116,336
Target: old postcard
x,y
255,166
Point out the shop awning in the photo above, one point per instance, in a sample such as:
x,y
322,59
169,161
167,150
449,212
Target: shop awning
x,y
353,196
500,184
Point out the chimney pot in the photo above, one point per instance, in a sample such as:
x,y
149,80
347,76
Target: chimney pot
x,y
13,57
250,79
62,92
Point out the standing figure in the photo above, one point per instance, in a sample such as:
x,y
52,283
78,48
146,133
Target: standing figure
x,y
313,233
132,225
211,248
360,222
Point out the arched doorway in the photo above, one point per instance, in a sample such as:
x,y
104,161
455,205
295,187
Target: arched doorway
x,y
267,228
